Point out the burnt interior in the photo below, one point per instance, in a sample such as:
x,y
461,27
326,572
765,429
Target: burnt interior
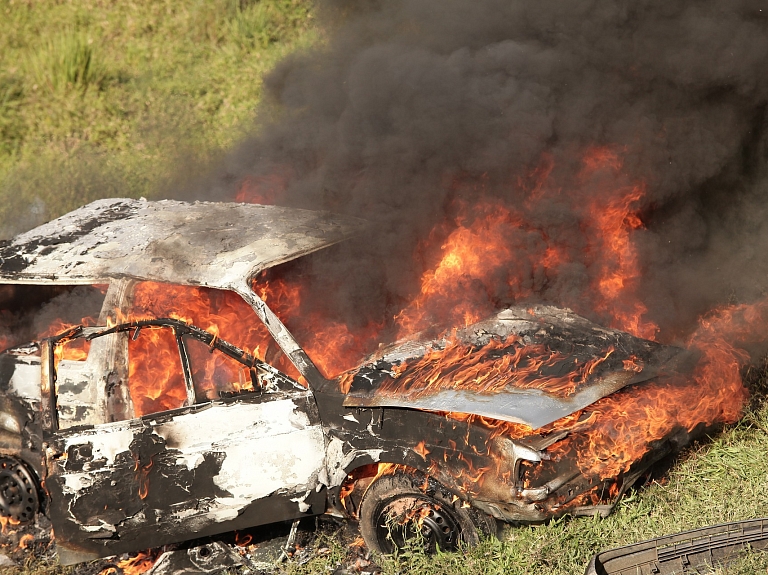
x,y
27,312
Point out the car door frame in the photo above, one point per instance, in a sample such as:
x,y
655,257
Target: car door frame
x,y
91,460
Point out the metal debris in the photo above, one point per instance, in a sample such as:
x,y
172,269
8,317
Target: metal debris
x,y
214,557
696,551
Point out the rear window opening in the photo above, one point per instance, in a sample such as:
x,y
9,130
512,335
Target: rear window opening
x,y
31,312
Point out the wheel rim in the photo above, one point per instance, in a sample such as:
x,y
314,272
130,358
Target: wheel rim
x,y
416,521
18,491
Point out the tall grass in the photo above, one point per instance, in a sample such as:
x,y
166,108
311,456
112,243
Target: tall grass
x,y
12,125
65,61
257,25
101,98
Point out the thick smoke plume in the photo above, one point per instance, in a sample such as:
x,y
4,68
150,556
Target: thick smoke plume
x,y
413,112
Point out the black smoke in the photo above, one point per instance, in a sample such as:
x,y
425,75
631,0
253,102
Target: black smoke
x,y
408,106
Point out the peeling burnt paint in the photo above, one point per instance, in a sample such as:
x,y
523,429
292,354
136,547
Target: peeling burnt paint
x,y
211,467
628,360
203,243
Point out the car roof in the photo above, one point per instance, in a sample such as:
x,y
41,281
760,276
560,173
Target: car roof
x,y
213,244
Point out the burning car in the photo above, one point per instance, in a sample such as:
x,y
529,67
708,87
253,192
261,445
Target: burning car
x,y
138,432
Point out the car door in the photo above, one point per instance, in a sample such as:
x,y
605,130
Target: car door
x,y
208,452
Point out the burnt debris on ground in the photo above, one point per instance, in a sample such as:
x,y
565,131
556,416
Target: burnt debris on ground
x,y
261,550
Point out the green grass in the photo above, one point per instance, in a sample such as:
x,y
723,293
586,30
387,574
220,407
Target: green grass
x,y
102,99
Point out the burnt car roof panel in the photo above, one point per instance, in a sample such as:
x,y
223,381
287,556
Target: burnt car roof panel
x,y
554,330
213,244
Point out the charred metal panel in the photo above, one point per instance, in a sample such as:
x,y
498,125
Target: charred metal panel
x,y
628,360
430,443
76,394
696,551
20,373
454,452
202,243
215,557
362,436
189,472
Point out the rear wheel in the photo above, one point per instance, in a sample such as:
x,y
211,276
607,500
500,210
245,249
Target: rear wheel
x,y
396,512
19,499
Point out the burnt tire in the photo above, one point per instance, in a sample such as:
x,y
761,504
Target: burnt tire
x,y
396,512
19,496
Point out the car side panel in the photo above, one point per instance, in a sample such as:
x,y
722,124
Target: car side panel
x,y
207,469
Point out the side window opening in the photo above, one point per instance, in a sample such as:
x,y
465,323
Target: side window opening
x,y
215,374
31,312
221,370
155,375
219,311
155,378
147,367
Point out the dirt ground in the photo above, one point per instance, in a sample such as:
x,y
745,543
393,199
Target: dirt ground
x,y
31,549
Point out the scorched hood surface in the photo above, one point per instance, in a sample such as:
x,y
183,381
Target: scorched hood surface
x,y
568,342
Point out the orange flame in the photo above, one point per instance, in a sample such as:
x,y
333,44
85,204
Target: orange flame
x,y
243,540
25,541
137,565
463,366
5,522
622,426
487,255
455,291
141,473
618,262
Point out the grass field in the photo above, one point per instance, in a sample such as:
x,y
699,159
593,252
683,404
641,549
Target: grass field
x,y
102,99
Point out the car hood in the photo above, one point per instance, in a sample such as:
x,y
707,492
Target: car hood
x,y
530,365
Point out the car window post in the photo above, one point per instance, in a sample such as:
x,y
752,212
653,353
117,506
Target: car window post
x,y
290,347
185,367
48,387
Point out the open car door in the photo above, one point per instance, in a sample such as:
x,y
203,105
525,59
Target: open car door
x,y
179,435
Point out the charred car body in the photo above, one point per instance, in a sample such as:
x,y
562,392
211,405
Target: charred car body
x,y
403,443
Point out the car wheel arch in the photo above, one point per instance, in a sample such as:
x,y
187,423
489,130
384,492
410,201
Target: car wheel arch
x,y
363,470
448,519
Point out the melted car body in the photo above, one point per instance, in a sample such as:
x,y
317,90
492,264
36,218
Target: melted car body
x,y
242,443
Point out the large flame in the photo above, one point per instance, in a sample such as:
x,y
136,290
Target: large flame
x,y
490,369
622,426
154,363
485,255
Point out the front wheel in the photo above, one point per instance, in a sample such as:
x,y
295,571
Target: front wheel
x,y
18,491
396,512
